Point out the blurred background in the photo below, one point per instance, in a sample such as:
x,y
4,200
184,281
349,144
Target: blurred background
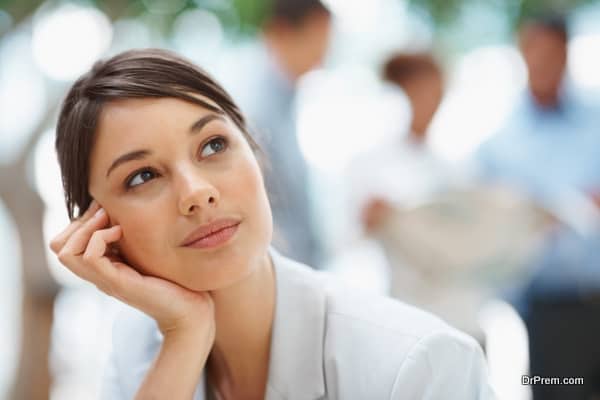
x,y
446,153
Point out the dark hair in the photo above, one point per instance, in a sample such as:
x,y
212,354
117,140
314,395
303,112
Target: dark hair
x,y
550,21
401,68
295,11
131,74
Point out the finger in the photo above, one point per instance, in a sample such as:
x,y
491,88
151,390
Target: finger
x,y
91,210
92,265
96,259
78,241
59,240
98,243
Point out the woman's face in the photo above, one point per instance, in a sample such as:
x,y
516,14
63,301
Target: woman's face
x,y
162,169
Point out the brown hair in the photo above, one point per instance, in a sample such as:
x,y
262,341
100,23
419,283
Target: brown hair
x,y
131,74
295,12
549,21
402,68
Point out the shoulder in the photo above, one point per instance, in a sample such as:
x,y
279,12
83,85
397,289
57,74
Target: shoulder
x,y
365,312
411,352
371,338
513,128
135,343
378,313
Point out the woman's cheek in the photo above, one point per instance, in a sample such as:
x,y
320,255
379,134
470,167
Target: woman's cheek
x,y
259,206
249,186
138,246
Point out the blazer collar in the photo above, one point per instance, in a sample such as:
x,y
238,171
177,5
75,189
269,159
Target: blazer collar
x,y
297,340
296,360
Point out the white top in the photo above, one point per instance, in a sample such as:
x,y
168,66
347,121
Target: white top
x,y
330,343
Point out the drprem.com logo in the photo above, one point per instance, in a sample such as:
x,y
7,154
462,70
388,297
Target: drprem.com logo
x,y
541,380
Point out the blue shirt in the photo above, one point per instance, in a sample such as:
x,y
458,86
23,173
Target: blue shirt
x,y
550,153
546,152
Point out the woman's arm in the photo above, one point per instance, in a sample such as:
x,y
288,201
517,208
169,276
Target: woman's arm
x,y
178,367
184,317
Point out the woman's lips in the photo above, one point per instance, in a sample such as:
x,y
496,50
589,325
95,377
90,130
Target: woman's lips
x,y
216,238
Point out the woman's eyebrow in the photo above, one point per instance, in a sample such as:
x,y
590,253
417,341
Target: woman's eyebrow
x,y
198,125
133,155
139,154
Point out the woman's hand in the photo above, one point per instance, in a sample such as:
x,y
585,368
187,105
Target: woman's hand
x,y
86,248
186,318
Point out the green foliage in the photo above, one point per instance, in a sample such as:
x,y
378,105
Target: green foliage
x,y
247,16
244,16
251,13
444,13
441,12
533,7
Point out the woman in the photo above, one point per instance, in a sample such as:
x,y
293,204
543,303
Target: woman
x,y
178,225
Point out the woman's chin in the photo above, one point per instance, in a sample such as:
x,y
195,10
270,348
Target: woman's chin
x,y
225,276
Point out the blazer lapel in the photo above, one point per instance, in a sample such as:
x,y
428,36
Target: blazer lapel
x,y
296,361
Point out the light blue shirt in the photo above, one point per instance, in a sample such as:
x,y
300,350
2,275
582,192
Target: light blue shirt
x,y
547,152
330,343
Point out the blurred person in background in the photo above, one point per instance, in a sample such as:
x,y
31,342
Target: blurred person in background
x,y
295,38
550,149
549,145
400,174
420,78
170,215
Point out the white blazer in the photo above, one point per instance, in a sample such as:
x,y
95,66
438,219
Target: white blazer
x,y
330,343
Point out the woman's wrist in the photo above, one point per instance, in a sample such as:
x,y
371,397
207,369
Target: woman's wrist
x,y
195,319
197,335
178,366
188,328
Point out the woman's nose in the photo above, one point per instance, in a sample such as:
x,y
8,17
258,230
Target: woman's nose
x,y
195,193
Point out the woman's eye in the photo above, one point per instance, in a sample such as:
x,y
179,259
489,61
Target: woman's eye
x,y
140,177
213,146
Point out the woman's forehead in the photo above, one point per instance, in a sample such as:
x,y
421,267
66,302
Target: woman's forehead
x,y
142,104
129,123
149,114
144,124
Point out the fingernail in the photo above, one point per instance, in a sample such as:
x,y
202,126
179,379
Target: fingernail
x,y
99,213
92,205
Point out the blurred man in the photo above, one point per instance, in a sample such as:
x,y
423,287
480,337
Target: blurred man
x,y
294,41
543,45
420,78
390,181
550,149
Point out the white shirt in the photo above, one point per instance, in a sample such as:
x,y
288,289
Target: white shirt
x,y
331,343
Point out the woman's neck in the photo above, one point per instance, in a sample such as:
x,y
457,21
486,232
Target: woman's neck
x,y
239,360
